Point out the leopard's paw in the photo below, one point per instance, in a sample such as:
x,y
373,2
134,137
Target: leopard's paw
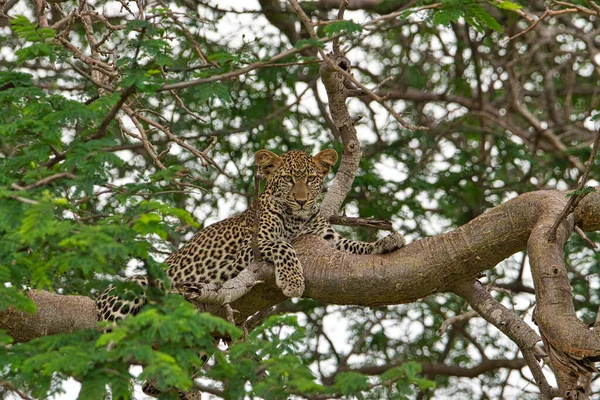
x,y
292,286
389,243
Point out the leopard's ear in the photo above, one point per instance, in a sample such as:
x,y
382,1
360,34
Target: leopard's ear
x,y
266,161
325,160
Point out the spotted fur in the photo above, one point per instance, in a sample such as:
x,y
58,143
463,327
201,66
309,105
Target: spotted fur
x,y
287,210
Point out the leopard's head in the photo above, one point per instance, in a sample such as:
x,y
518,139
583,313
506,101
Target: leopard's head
x,y
295,178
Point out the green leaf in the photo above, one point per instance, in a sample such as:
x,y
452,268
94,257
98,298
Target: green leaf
x,y
480,18
224,58
351,382
309,42
12,297
447,14
585,190
506,5
348,26
149,223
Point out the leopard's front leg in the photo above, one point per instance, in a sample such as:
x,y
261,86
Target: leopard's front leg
x,y
288,270
390,243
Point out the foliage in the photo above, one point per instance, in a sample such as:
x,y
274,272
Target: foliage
x,y
84,204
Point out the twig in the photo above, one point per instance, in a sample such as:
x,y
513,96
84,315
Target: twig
x,y
184,108
533,25
9,386
400,12
547,392
113,111
576,198
143,137
582,234
241,71
257,318
188,35
89,77
200,154
334,65
292,64
44,181
573,9
208,389
246,128
457,318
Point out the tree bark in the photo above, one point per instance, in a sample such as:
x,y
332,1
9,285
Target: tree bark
x,y
430,265
445,263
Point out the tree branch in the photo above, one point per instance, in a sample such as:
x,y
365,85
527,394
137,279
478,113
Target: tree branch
x,y
431,265
447,262
447,370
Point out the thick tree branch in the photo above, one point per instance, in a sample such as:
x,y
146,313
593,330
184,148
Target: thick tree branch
x,y
55,314
438,264
431,265
571,344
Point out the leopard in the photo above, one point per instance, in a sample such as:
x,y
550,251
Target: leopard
x,y
288,208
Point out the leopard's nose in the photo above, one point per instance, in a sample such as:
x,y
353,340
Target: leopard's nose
x,y
301,202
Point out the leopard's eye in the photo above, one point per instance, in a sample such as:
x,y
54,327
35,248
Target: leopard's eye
x,y
287,178
311,178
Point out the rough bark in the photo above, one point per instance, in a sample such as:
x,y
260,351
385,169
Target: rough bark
x,y
432,265
55,314
337,93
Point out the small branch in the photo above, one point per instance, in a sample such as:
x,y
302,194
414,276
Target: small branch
x,y
582,234
208,389
257,319
25,200
440,369
573,9
12,388
89,77
202,155
547,392
241,71
546,13
498,315
184,108
457,318
44,181
188,35
143,137
112,113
